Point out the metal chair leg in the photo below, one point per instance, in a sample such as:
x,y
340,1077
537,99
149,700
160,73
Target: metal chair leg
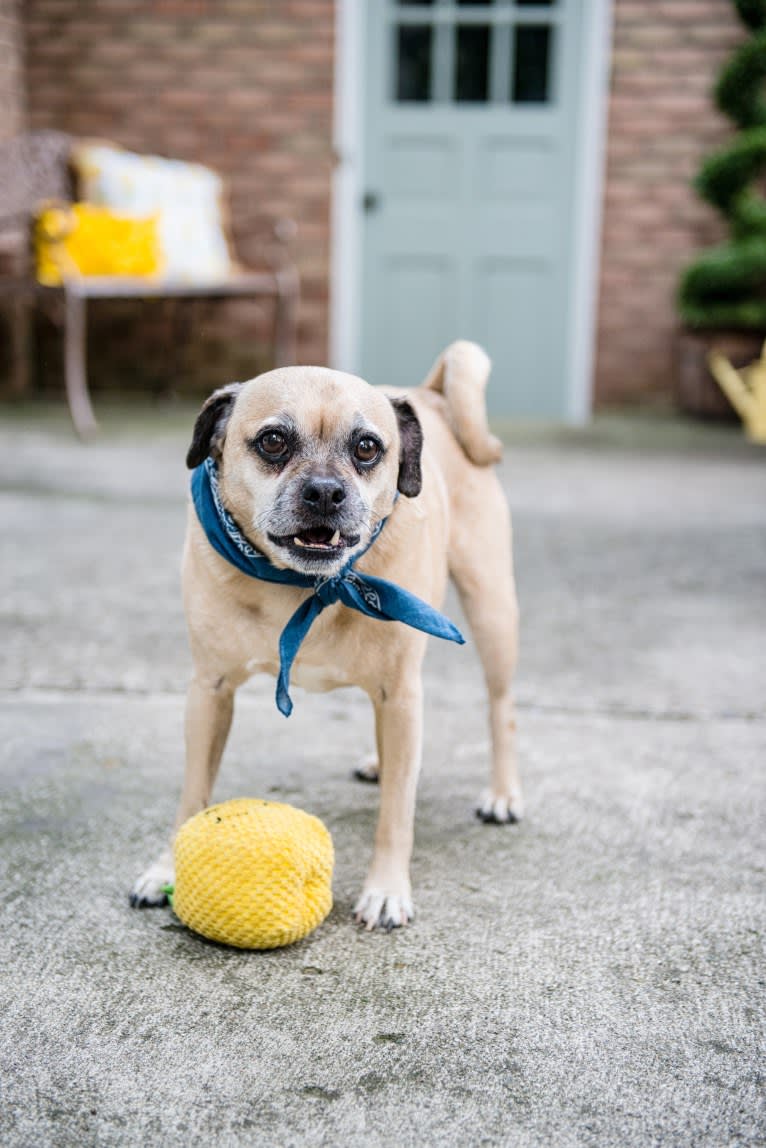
x,y
19,319
75,376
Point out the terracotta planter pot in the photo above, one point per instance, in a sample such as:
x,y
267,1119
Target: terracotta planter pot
x,y
696,391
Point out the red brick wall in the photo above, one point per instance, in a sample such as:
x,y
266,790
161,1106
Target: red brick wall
x,y
242,85
666,55
246,85
11,70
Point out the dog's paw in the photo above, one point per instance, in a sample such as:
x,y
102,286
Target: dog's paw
x,y
368,769
504,809
378,909
149,889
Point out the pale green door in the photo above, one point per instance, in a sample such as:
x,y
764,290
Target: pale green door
x,y
468,176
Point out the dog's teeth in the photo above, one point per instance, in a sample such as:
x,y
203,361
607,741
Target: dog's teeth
x,y
298,542
335,538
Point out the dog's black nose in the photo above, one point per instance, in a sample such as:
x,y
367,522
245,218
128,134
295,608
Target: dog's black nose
x,y
323,494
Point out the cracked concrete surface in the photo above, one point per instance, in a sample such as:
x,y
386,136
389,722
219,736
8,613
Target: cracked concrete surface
x,y
594,976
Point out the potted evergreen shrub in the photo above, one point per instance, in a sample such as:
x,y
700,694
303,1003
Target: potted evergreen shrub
x,y
722,294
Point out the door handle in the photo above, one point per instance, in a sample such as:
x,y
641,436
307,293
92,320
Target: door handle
x,y
370,201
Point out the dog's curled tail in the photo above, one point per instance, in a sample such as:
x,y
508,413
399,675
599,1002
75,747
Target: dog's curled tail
x,y
460,374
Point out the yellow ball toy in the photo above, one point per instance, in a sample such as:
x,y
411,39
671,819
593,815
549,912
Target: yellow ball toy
x,y
254,874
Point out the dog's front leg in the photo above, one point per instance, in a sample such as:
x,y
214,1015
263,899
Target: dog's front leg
x,y
209,709
386,899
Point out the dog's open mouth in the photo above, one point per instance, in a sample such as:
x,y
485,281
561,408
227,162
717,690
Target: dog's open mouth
x,y
317,541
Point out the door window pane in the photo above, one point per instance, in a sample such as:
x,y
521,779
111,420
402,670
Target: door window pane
x,y
413,62
472,65
532,49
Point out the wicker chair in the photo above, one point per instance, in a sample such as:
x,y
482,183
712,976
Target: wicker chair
x,y
35,167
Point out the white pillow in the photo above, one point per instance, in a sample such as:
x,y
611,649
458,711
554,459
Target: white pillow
x,y
186,196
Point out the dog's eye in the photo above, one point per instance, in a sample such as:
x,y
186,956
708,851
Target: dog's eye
x,y
366,450
272,445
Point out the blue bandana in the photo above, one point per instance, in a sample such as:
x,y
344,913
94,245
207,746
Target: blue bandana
x,y
363,592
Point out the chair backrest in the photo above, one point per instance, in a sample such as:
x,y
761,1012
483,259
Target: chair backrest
x,y
33,167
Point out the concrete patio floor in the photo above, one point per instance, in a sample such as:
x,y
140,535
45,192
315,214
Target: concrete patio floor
x,y
594,976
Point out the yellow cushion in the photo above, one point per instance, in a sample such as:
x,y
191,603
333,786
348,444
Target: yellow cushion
x,y
81,239
254,874
186,197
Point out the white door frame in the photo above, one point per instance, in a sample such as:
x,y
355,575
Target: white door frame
x,y
347,191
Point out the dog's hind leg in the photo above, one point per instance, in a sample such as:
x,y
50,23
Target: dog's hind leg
x,y
209,709
481,565
368,768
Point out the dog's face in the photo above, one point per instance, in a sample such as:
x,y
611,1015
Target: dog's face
x,y
311,460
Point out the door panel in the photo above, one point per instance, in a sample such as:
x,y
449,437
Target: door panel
x,y
404,334
469,159
513,168
422,166
519,288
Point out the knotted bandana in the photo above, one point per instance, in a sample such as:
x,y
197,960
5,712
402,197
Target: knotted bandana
x,y
363,592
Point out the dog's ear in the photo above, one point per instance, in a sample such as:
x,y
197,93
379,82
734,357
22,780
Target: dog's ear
x,y
410,448
210,427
